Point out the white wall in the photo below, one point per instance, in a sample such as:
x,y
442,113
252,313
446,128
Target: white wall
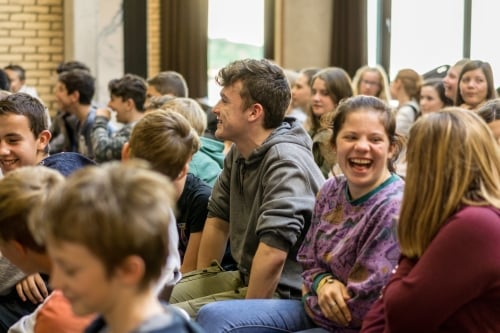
x,y
94,35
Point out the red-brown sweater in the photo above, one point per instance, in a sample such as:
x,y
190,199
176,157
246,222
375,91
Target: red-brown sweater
x,y
453,287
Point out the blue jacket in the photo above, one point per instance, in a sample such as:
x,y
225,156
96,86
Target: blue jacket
x,y
66,162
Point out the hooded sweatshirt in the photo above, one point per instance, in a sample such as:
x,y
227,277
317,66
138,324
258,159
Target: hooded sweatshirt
x,y
207,163
269,198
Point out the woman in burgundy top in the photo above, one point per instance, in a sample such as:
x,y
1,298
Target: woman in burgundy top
x,y
448,278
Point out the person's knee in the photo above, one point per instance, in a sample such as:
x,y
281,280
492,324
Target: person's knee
x,y
209,317
208,312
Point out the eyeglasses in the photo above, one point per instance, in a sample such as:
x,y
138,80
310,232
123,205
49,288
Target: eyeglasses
x,y
370,83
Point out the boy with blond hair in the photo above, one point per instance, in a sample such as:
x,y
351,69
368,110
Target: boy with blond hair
x,y
207,162
20,191
107,232
166,140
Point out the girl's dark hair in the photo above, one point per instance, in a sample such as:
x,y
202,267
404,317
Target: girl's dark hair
x,y
437,83
4,81
387,119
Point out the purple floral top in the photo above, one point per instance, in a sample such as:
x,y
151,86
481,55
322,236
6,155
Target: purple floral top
x,y
355,241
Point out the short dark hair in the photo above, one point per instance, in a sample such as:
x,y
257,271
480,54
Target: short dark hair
x,y
170,83
263,82
70,65
81,81
4,81
19,70
130,86
28,106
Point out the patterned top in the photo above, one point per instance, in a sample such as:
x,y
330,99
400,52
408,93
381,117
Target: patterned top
x,y
353,240
108,147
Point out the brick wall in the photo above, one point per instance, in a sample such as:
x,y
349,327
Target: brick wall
x,y
153,37
31,35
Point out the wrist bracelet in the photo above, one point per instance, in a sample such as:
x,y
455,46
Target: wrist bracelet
x,y
324,281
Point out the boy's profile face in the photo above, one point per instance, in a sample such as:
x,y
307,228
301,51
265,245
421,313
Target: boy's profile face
x,y
82,278
231,117
63,98
15,81
120,106
18,145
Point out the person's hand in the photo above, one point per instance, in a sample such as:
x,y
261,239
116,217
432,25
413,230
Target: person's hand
x,y
332,298
103,112
33,288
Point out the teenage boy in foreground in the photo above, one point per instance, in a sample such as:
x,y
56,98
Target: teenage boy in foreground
x,y
20,191
107,232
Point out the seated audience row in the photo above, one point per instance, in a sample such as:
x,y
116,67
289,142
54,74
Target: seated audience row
x,y
325,251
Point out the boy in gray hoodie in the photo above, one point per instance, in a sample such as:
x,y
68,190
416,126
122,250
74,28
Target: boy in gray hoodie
x,y
264,197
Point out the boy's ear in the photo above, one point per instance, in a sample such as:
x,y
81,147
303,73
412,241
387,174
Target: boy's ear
x,y
43,139
256,112
125,152
397,83
131,270
184,170
75,96
130,103
19,247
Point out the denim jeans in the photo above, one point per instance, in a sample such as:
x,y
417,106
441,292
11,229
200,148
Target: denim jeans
x,y
259,315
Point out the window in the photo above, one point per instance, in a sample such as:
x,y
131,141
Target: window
x,y
484,31
372,38
235,31
425,34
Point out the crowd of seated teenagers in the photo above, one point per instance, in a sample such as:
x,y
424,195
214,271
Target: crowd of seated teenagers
x,y
22,105
73,126
22,109
488,112
16,106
